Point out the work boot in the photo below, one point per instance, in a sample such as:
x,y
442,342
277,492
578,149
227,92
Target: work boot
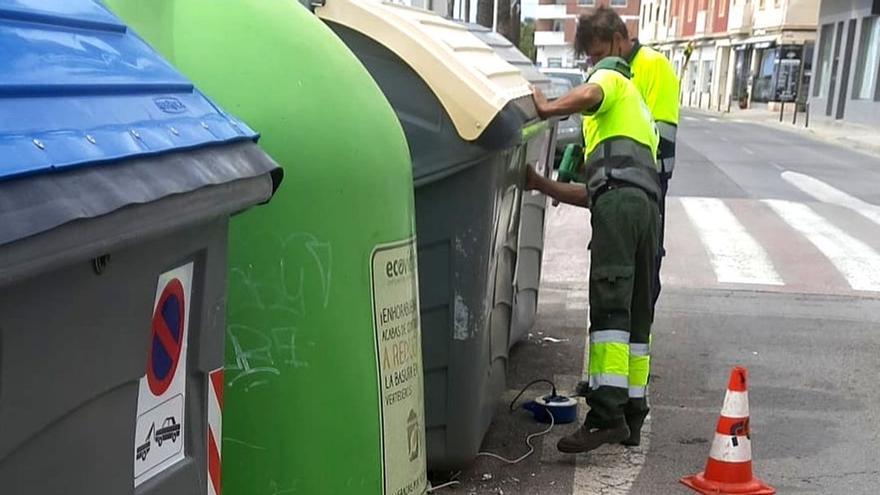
x,y
581,389
634,422
586,439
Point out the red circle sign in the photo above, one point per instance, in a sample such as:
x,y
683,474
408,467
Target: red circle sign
x,y
167,336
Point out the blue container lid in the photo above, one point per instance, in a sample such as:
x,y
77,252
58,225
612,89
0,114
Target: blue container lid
x,y
78,88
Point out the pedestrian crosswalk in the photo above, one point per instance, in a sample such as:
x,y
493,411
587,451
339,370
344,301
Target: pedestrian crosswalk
x,y
735,255
857,262
830,245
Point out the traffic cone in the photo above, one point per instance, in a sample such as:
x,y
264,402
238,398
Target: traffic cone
x,y
729,468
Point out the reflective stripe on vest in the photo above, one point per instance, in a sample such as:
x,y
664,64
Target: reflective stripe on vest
x,y
625,160
666,150
638,392
608,380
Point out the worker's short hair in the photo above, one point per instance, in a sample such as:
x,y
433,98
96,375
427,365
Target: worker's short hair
x,y
600,25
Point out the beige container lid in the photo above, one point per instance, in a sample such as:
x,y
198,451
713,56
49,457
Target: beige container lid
x,y
471,82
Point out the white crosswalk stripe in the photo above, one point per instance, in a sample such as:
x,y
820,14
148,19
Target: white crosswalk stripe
x,y
830,194
857,261
735,255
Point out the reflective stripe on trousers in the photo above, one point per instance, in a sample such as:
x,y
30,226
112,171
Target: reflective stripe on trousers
x,y
609,359
639,369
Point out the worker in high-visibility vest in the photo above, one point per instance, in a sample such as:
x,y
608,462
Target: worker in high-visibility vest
x,y
623,191
653,75
601,34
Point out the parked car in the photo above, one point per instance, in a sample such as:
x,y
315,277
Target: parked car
x,y
574,76
569,130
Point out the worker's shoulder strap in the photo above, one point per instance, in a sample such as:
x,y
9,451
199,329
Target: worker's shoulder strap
x,y
632,54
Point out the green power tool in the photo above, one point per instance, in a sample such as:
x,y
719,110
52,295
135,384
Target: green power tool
x,y
569,167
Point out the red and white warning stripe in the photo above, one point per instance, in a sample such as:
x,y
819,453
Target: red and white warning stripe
x,y
215,430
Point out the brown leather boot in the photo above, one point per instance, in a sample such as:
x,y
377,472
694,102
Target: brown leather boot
x,y
586,439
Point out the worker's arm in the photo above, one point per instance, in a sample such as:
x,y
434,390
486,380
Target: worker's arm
x,y
584,98
570,193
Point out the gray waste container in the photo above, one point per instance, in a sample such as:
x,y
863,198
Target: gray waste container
x,y
117,179
540,151
468,116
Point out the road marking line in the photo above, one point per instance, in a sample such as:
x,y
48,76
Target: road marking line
x,y
713,119
855,260
692,119
830,194
735,255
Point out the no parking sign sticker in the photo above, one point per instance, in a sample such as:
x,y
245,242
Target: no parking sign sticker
x,y
160,428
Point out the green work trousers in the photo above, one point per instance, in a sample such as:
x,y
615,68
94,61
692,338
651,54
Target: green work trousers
x,y
626,226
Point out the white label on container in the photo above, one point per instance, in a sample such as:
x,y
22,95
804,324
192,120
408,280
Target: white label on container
x,y
159,428
399,361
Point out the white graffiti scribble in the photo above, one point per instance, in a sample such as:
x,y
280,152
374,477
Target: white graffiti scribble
x,y
303,270
253,357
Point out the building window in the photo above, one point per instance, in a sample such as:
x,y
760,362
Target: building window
x,y
554,62
707,76
823,68
558,25
869,59
587,3
618,3
762,88
692,69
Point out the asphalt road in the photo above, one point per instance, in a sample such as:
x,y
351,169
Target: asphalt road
x,y
773,264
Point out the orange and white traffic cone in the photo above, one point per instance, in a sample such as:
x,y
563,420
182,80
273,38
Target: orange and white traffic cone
x,y
729,468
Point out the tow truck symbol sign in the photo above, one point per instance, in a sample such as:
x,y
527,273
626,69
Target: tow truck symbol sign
x,y
170,430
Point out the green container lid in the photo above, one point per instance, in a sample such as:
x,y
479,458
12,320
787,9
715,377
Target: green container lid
x,y
323,356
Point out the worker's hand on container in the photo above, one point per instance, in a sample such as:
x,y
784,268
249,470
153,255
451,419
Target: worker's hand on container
x,y
573,194
533,179
540,102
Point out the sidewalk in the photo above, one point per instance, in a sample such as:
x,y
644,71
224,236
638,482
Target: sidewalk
x,y
863,138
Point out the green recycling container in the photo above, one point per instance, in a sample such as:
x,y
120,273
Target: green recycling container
x,y
324,387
